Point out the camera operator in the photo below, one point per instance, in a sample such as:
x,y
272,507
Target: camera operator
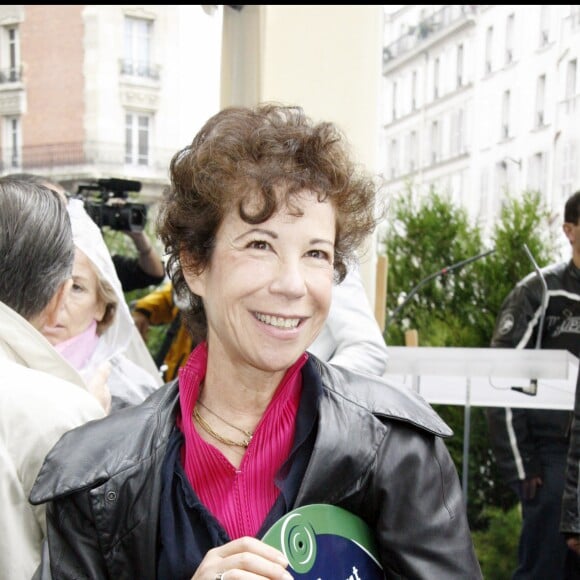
x,y
145,270
106,201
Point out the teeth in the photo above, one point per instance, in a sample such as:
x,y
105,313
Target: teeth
x,y
278,321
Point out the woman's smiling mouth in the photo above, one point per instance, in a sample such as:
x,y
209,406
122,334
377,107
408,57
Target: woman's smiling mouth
x,y
277,321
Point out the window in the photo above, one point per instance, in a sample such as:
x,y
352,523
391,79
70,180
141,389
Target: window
x,y
137,128
436,71
414,90
537,173
540,99
568,169
10,55
575,16
505,115
501,186
571,79
509,39
413,151
457,132
457,187
484,194
394,161
544,25
12,157
137,51
459,65
394,96
488,49
435,144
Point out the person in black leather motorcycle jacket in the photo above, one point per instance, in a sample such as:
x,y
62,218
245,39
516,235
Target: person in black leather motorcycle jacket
x,y
530,445
264,212
570,521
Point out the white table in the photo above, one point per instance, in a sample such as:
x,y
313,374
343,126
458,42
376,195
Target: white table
x,y
485,377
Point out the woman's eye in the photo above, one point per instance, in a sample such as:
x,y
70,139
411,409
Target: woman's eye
x,y
77,288
319,255
259,245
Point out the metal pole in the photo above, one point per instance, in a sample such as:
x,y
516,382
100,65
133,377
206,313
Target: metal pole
x,y
466,429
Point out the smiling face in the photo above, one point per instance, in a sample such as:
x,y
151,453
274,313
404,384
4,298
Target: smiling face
x,y
81,306
267,289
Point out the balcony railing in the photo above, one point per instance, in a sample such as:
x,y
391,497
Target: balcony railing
x,y
140,69
77,156
10,75
416,35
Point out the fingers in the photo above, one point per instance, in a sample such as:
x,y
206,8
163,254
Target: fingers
x,y
98,387
142,323
243,558
574,544
529,487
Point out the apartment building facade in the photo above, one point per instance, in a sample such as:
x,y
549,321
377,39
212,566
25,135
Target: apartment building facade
x,y
481,101
92,91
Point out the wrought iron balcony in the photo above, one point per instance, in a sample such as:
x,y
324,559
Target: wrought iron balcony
x,y
78,157
444,18
140,69
10,75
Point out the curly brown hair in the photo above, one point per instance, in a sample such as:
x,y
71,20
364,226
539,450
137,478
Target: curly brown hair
x,y
273,152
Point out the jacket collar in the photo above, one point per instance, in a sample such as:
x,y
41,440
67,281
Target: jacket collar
x,y
344,395
135,434
381,398
22,343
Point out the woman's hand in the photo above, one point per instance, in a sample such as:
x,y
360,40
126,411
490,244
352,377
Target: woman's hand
x,y
243,558
141,322
97,386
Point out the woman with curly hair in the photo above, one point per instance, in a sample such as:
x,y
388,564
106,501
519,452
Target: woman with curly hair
x,y
264,213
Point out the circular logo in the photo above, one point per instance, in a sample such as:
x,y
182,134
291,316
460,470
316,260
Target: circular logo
x,y
299,542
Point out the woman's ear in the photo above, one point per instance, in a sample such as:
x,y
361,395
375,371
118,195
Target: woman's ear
x,y
195,280
100,310
57,302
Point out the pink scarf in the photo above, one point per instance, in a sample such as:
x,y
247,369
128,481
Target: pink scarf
x,y
78,349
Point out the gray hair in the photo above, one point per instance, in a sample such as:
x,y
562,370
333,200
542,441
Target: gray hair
x,y
36,246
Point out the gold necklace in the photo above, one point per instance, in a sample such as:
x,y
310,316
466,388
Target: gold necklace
x,y
210,431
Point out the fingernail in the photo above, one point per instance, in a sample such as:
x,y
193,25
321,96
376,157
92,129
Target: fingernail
x,y
287,576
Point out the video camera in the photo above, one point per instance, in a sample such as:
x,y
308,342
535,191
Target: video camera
x,y
107,204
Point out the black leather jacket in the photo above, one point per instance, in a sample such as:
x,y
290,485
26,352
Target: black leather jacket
x,y
517,435
570,520
379,453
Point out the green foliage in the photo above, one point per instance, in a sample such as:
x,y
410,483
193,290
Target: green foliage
x,y
496,547
424,237
522,221
155,338
458,309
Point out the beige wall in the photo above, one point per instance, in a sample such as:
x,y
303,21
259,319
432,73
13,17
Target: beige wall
x,y
54,86
326,59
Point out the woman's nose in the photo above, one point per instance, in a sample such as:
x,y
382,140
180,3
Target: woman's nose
x,y
289,279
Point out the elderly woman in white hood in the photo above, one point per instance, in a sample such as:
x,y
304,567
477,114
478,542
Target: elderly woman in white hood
x,y
94,329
